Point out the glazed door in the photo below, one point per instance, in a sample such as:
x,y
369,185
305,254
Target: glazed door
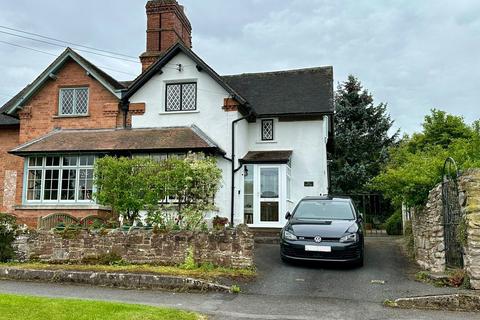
x,y
268,196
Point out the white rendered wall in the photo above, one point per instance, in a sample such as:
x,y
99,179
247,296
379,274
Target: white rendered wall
x,y
305,138
209,116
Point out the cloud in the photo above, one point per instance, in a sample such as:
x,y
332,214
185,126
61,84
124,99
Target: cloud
x,y
412,55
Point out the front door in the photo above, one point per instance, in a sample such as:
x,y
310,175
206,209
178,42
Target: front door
x,y
268,204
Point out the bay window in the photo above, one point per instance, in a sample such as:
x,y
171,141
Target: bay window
x,y
57,179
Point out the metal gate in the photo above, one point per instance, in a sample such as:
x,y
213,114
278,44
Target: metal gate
x,y
452,215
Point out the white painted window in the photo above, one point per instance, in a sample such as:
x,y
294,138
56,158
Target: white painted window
x,y
73,101
267,130
56,179
181,97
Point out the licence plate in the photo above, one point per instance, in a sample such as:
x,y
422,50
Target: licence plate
x,y
318,248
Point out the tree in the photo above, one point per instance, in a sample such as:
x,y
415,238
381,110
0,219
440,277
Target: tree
x,y
416,163
440,128
362,138
126,185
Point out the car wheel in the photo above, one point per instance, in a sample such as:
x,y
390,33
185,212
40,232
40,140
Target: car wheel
x,y
360,262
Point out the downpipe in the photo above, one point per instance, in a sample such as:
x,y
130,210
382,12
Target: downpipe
x,y
234,170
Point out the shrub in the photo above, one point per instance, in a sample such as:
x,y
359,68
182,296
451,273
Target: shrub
x,y
393,225
130,186
8,232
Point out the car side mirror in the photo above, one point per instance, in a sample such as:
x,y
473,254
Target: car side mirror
x,y
288,215
360,217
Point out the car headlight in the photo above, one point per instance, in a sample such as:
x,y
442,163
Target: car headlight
x,y
289,236
352,237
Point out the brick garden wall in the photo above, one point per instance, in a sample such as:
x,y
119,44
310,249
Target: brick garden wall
x,y
226,248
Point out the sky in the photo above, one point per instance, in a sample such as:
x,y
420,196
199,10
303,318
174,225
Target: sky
x,y
412,55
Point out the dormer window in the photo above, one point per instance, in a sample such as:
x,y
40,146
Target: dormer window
x,y
181,97
73,102
267,130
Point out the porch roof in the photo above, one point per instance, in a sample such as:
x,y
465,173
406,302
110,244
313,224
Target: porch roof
x,y
120,140
276,156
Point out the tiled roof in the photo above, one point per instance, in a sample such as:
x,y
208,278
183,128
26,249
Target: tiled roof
x,y
8,121
291,92
277,156
30,89
118,140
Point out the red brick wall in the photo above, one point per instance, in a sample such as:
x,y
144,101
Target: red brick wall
x,y
9,165
40,116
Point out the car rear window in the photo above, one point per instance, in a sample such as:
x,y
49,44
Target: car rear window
x,y
324,210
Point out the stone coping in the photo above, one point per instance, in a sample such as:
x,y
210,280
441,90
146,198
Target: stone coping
x,y
113,279
466,302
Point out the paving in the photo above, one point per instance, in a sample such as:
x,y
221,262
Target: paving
x,y
287,291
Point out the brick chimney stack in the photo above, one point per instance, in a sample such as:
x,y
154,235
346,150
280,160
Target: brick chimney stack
x,y
167,24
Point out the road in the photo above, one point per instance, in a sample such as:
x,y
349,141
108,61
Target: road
x,y
286,291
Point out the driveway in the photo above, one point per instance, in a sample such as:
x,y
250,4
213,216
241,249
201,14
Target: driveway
x,y
384,261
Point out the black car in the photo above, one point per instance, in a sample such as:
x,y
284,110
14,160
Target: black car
x,y
323,229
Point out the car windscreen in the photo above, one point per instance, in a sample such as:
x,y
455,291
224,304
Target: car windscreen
x,y
324,210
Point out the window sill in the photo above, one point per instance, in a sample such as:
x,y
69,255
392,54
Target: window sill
x,y
179,112
267,142
71,116
73,206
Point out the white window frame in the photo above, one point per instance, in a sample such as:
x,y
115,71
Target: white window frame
x,y
74,113
43,168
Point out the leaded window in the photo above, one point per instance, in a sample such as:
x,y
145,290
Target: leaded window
x,y
267,130
67,179
181,97
73,101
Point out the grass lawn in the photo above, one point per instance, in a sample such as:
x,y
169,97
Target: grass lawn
x,y
202,272
14,307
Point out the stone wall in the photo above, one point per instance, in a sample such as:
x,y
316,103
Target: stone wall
x,y
428,230
427,227
469,193
226,248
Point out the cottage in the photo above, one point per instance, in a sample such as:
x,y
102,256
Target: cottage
x,y
269,131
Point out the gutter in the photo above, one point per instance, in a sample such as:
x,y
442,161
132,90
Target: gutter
x,y
234,170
